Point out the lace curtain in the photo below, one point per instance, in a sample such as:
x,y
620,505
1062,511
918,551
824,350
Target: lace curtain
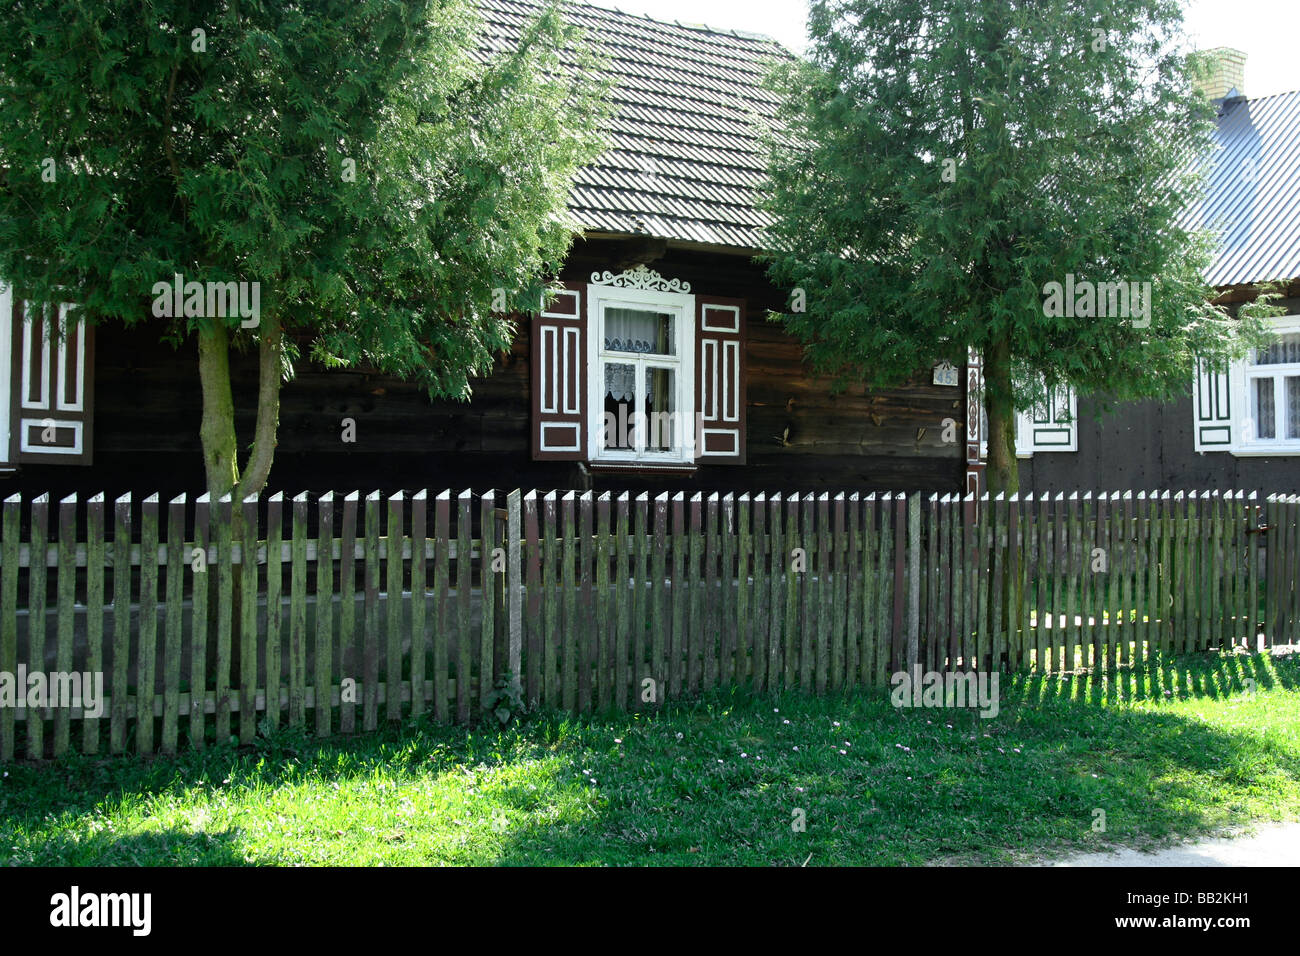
x,y
1282,352
630,330
620,381
1265,413
1265,423
1293,406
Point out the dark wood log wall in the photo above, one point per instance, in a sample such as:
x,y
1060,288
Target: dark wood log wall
x,y
801,435
1146,445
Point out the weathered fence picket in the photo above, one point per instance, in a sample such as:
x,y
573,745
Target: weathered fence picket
x,y
600,601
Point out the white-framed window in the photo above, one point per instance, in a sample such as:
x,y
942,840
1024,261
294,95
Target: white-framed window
x,y
641,365
1050,426
1253,408
1271,381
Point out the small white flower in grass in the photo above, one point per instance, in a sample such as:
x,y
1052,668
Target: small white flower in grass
x,y
776,710
909,778
835,722
1001,751
843,751
847,744
785,721
949,726
680,735
800,789
1016,749
759,757
618,740
796,748
719,760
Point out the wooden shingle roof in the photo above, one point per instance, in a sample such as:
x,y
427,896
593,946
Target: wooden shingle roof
x,y
686,156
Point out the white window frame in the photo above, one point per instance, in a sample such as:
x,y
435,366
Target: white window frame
x,y
681,306
6,365
1241,375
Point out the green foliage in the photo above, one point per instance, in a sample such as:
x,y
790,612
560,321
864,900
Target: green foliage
x,y
228,155
1073,131
507,698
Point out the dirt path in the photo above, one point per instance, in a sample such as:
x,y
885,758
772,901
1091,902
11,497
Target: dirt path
x,y
1273,844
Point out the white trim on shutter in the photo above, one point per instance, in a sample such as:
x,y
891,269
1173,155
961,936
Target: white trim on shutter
x,y
1213,428
51,388
720,380
559,377
1052,426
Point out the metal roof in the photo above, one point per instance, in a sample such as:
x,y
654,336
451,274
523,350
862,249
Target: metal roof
x,y
686,156
1253,194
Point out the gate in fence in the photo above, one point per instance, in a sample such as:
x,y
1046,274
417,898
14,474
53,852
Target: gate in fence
x,y
205,620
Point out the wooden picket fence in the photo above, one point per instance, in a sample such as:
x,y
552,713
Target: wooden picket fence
x,y
354,609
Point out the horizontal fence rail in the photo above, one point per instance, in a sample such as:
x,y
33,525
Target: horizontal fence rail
x,y
350,610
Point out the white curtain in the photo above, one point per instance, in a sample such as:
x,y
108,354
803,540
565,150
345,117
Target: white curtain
x,y
1293,406
620,381
629,330
1282,352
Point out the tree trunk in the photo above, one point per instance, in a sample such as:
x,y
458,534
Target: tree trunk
x,y
1003,474
217,431
221,453
270,346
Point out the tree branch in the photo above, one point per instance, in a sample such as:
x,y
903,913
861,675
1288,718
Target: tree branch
x,y
270,342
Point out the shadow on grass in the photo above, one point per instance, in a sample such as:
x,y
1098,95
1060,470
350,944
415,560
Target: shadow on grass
x,y
1175,747
166,847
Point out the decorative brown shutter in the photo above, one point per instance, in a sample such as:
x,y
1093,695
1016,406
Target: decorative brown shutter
x,y
51,383
720,380
559,377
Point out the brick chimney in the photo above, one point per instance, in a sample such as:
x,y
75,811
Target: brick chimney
x,y
1222,73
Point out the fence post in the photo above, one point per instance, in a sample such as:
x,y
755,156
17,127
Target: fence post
x,y
94,612
515,600
9,614
248,621
67,583
121,621
177,565
913,580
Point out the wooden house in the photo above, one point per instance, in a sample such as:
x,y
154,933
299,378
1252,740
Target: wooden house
x,y
1237,429
663,331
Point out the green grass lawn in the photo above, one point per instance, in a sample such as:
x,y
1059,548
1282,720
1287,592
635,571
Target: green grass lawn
x,y
1178,749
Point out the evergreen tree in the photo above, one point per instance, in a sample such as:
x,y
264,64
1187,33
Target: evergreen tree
x,y
942,163
391,188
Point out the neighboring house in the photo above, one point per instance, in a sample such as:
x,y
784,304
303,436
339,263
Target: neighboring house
x,y
1239,429
665,313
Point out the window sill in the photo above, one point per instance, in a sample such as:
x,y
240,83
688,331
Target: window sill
x,y
1266,451
638,468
